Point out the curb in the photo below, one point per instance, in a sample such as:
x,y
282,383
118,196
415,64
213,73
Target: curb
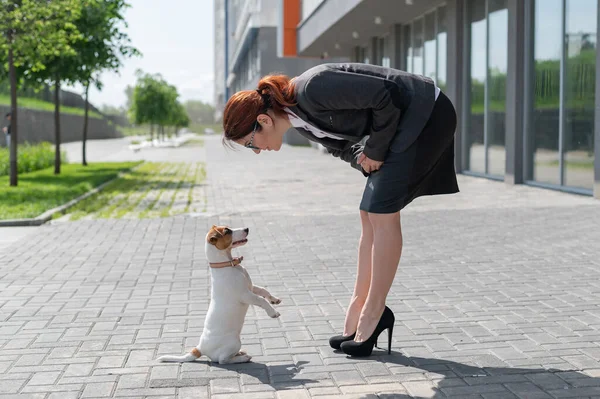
x,y
46,216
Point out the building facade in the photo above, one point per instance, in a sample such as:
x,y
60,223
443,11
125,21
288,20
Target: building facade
x,y
521,73
246,48
219,59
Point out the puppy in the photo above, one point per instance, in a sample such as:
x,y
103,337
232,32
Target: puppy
x,y
232,292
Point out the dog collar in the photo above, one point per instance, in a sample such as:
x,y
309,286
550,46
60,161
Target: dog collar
x,y
231,263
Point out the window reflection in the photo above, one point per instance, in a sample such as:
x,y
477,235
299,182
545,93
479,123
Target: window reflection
x,y
418,46
476,121
429,46
442,39
580,78
497,69
546,92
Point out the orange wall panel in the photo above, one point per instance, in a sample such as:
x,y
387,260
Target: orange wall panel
x,y
291,19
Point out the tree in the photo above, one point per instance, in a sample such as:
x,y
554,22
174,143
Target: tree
x,y
180,117
200,112
154,102
59,68
102,48
129,95
30,32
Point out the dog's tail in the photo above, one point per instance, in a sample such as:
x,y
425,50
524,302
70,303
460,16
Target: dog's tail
x,y
188,357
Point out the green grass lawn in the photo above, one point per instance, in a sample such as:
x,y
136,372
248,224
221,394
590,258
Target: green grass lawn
x,y
34,103
153,190
40,191
135,130
199,127
194,142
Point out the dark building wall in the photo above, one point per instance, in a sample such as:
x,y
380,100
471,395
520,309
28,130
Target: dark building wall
x,y
35,126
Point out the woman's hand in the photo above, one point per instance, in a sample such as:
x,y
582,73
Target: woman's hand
x,y
368,164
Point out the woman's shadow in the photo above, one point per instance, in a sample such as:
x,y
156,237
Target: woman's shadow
x,y
455,379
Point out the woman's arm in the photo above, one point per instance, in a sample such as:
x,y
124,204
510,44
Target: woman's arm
x,y
350,155
341,90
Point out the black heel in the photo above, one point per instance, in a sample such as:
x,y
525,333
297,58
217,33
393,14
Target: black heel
x,y
338,340
365,348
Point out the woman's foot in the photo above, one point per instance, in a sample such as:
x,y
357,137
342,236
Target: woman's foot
x,y
353,315
336,342
365,347
368,322
350,324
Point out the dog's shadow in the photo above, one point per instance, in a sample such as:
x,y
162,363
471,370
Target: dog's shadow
x,y
279,376
455,379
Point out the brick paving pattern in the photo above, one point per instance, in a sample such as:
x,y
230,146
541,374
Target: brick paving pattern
x,y
497,293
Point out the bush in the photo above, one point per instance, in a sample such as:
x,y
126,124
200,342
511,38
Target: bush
x,y
30,157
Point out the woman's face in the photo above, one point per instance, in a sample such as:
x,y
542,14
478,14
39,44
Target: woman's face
x,y
270,135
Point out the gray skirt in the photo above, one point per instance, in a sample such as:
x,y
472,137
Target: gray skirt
x,y
425,168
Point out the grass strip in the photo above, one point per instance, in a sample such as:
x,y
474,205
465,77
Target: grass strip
x,y
42,190
128,195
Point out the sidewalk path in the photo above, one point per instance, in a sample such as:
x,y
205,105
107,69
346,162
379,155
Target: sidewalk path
x,y
496,296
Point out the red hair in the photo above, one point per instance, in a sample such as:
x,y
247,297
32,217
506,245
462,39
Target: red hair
x,y
275,92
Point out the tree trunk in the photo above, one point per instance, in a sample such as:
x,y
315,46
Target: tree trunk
x,y
85,122
151,132
13,116
57,126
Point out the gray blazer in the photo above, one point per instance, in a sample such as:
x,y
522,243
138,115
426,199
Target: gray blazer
x,y
384,108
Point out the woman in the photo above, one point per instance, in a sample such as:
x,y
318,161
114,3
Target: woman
x,y
394,127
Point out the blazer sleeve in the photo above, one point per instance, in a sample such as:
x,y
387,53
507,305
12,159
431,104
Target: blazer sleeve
x,y
342,90
349,155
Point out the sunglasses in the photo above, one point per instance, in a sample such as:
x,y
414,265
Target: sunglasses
x,y
249,144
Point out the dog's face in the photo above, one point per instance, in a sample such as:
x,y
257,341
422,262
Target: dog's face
x,y
225,238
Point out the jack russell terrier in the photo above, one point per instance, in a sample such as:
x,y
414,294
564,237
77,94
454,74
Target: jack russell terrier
x,y
232,292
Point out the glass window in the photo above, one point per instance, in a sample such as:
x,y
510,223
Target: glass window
x,y
485,127
430,46
384,44
580,95
378,51
408,56
418,46
476,122
442,41
544,118
496,87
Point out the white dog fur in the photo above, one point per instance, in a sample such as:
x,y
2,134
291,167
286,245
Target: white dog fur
x,y
232,292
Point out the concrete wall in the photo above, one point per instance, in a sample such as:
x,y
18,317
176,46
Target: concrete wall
x,y
269,62
36,126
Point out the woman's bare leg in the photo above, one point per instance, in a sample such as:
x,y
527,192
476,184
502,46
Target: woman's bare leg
x,y
387,248
363,275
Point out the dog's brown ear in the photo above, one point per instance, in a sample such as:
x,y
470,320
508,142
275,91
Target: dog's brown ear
x,y
213,227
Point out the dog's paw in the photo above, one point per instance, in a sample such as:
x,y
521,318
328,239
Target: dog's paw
x,y
274,301
274,315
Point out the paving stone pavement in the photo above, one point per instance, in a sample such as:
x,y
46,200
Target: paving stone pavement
x,y
497,293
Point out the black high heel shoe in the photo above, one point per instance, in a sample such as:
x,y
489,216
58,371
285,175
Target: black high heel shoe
x,y
336,342
365,348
